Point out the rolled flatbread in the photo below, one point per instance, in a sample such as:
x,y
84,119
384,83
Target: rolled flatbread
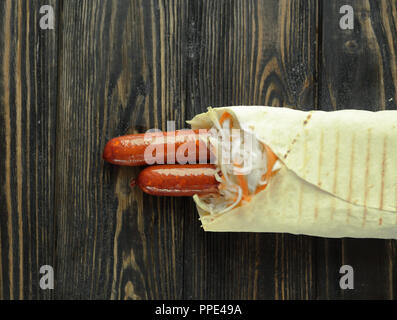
x,y
337,176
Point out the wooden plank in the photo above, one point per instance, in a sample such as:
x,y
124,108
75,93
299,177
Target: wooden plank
x,y
123,70
28,89
358,70
247,53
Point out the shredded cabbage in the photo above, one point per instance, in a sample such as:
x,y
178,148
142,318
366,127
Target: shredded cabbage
x,y
233,159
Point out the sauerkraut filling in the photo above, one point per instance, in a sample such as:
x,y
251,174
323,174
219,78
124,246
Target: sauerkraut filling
x,y
244,165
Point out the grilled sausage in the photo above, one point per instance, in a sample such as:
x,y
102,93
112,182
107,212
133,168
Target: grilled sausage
x,y
130,150
178,180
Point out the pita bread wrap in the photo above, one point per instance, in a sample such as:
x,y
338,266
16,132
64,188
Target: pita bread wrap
x,y
338,175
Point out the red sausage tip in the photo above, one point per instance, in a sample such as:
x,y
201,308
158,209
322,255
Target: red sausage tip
x,y
108,152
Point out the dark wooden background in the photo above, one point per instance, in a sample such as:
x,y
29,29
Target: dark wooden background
x,y
116,67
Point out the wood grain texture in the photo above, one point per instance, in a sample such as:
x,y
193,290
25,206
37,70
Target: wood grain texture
x,y
28,91
359,66
116,67
358,70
